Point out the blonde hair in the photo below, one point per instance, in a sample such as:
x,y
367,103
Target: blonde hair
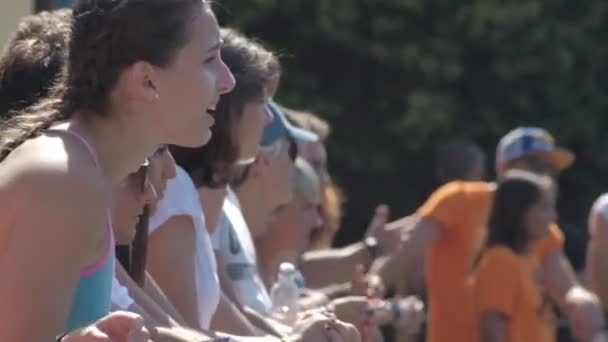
x,y
331,213
331,196
306,184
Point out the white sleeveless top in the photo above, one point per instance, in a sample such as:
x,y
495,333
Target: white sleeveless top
x,y
181,198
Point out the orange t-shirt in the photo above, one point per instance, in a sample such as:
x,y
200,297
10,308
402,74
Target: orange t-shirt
x,y
510,284
462,210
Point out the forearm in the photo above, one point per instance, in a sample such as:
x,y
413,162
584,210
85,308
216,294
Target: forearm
x,y
412,248
154,291
149,321
397,264
264,323
559,278
145,305
342,262
154,310
229,319
186,335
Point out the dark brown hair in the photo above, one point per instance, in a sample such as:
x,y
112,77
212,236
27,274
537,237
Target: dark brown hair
x,y
32,59
254,69
516,193
455,159
107,36
133,257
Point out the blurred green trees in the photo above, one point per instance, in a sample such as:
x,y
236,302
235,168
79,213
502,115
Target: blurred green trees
x,y
397,77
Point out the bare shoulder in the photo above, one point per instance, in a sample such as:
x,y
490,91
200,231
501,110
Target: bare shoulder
x,y
52,182
50,163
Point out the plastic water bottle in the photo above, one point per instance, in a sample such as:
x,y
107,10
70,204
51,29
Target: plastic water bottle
x,y
284,295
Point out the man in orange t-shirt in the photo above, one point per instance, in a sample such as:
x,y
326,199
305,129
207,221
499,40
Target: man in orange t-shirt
x,y
450,228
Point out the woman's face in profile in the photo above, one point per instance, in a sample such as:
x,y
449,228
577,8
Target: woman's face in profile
x,y
541,215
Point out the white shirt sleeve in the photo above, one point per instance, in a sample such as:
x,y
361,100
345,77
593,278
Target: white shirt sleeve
x,y
120,295
180,199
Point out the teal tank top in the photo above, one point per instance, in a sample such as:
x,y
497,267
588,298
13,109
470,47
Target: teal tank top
x,y
93,297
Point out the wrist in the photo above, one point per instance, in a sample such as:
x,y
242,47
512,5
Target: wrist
x,y
395,311
330,306
373,248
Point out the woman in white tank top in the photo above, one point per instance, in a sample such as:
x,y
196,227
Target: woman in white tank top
x,y
180,253
180,227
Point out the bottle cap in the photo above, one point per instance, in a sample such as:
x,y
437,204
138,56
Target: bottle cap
x,y
287,268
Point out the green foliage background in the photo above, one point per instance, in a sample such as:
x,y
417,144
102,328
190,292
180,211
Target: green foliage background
x,y
397,77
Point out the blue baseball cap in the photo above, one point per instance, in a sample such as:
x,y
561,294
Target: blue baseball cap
x,y
525,141
280,127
